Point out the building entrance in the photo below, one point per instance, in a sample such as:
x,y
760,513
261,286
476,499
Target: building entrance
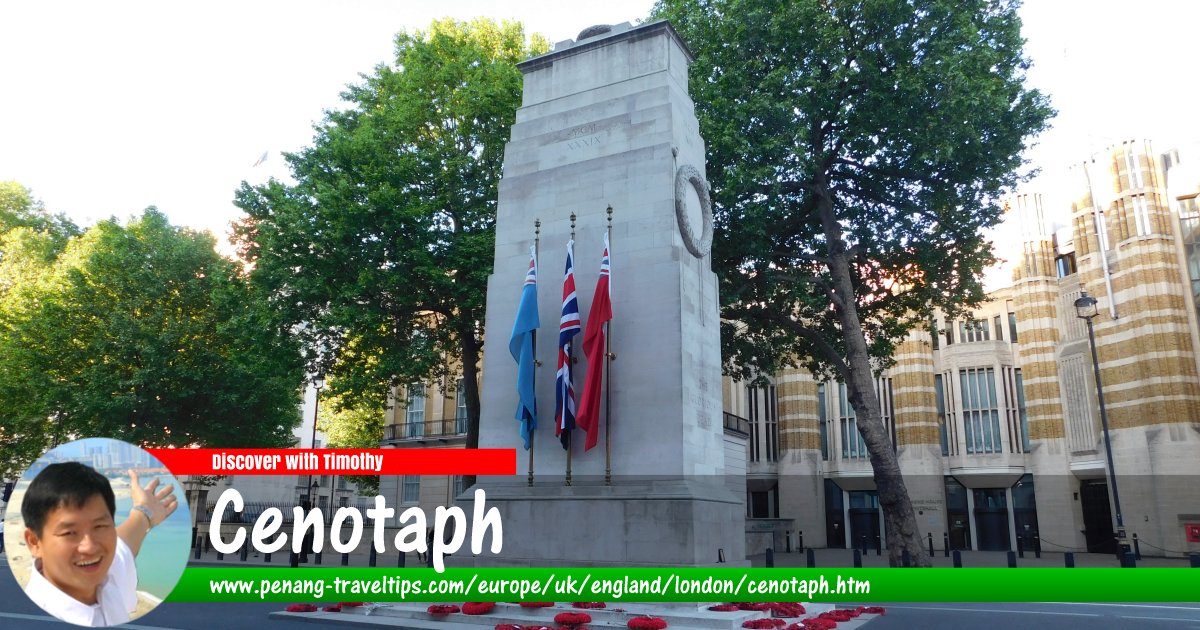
x,y
1097,516
991,519
864,519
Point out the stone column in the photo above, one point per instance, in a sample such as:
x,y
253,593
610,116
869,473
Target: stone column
x,y
606,120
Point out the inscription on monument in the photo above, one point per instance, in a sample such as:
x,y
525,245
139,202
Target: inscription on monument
x,y
589,141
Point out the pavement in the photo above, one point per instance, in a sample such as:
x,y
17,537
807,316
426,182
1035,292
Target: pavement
x,y
837,558
825,558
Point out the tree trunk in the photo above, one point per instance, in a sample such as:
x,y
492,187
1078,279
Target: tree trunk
x,y
899,518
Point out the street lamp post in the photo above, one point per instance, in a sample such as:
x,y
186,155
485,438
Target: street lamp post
x,y
318,383
1085,309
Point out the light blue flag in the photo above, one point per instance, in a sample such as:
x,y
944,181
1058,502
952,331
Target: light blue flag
x,y
520,345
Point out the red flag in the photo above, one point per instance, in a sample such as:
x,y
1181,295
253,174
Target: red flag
x,y
594,339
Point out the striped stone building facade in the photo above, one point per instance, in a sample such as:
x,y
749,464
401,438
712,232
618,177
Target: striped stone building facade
x,y
994,417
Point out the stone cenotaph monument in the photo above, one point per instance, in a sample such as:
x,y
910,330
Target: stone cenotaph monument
x,y
606,121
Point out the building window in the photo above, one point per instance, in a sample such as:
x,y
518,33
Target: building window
x,y
763,414
1064,264
933,333
940,393
822,419
1141,215
1021,409
752,416
887,407
981,417
415,417
412,489
973,330
1012,327
853,446
457,487
1134,169
999,328
1189,230
460,406
772,417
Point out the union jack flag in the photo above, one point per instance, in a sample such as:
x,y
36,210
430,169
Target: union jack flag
x,y
568,327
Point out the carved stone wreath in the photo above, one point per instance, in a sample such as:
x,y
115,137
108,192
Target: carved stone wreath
x,y
684,176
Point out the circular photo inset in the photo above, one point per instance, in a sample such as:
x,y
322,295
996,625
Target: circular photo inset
x,y
97,532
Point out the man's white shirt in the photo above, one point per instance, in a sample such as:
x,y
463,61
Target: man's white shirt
x,y
116,598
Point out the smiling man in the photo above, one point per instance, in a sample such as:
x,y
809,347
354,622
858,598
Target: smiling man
x,y
84,570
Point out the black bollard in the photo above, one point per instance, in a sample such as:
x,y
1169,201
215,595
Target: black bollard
x,y
1021,546
857,559
267,558
930,537
1037,546
788,537
1012,559
220,555
770,558
905,558
1127,560
245,552
371,559
946,543
800,541
721,555
429,559
400,561
864,544
197,554
957,559
1195,558
293,559
1069,560
317,557
811,558
346,559
878,546
1137,548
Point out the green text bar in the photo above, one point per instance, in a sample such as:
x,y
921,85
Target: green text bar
x,y
280,584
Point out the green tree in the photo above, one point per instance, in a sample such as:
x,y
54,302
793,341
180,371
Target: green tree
x,y
348,427
19,208
857,151
379,255
30,237
144,333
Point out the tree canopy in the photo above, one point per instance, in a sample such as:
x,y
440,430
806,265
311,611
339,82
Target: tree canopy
x,y
379,255
857,151
145,333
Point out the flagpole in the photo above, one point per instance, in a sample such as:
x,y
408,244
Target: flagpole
x,y
608,357
537,235
567,393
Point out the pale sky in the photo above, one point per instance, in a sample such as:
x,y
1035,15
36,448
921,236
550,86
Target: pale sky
x,y
111,107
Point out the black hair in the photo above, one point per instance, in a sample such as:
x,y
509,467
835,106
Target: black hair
x,y
71,484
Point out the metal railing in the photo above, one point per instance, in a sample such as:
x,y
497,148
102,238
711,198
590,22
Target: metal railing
x,y
737,424
429,429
